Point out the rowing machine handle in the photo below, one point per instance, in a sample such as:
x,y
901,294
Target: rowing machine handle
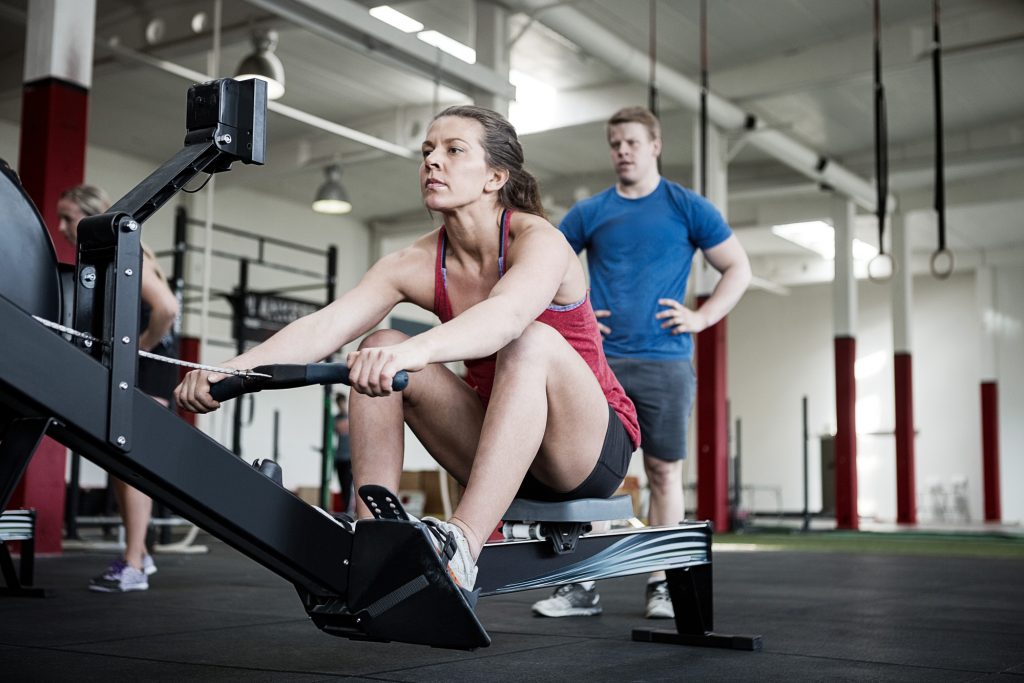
x,y
290,376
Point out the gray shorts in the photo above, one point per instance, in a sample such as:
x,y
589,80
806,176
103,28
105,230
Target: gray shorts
x,y
663,392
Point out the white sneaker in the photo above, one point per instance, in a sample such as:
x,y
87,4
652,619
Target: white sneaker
x,y
659,602
451,544
148,566
120,577
570,600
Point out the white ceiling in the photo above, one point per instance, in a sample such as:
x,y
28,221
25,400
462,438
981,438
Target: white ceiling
x,y
803,67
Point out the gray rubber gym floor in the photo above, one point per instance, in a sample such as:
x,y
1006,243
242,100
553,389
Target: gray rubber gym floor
x,y
823,616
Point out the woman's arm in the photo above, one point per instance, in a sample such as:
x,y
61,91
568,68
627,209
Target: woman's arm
x,y
317,335
162,303
538,263
397,277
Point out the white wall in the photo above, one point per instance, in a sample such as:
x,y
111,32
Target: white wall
x,y
780,349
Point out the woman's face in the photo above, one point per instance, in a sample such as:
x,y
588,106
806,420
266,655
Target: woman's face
x,y
454,171
69,213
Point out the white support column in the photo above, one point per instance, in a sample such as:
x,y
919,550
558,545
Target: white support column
x,y
706,277
710,359
902,284
844,302
985,293
59,41
844,290
903,372
492,50
990,455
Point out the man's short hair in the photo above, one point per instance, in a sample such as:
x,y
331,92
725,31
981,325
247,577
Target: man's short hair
x,y
637,115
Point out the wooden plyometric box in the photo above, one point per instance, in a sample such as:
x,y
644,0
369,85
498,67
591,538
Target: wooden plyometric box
x,y
429,482
631,486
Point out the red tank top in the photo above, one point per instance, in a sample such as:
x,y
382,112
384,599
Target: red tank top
x,y
575,322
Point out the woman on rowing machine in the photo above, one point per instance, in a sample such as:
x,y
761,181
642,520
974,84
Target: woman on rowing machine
x,y
540,414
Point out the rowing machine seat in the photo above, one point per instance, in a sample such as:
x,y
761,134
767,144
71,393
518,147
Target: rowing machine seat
x,y
581,510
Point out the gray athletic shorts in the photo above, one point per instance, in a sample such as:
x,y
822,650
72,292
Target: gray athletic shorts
x,y
663,392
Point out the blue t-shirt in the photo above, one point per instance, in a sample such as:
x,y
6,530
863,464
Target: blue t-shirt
x,y
639,251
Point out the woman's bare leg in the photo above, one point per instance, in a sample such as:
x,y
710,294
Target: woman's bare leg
x,y
136,511
440,408
547,415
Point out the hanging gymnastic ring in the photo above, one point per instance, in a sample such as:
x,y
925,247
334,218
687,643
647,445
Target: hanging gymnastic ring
x,y
937,259
875,264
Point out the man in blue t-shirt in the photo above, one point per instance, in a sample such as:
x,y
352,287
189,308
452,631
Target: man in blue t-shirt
x,y
641,236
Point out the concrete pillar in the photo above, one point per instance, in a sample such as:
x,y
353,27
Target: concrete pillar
x,y
710,359
55,98
492,49
844,306
986,300
902,298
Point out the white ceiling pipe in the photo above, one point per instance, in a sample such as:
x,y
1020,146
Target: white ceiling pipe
x,y
599,42
282,109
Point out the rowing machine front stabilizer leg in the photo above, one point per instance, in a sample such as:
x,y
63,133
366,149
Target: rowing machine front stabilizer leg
x,y
398,586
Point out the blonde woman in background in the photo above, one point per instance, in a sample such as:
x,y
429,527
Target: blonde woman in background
x,y
159,308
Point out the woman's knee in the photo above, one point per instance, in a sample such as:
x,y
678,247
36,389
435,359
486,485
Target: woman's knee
x,y
382,338
537,342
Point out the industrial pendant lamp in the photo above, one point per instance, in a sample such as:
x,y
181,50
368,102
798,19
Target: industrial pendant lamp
x,y
263,63
332,197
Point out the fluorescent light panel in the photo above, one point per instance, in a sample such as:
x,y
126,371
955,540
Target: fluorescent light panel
x,y
449,45
393,17
820,237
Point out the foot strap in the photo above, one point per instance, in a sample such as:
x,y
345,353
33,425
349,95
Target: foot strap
x,y
446,539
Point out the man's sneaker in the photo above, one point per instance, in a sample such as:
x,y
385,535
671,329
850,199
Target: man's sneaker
x,y
148,565
570,600
451,544
120,577
659,602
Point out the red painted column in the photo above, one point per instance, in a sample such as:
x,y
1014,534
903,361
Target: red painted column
x,y
52,155
712,426
990,451
903,380
188,350
844,305
58,68
846,434
906,497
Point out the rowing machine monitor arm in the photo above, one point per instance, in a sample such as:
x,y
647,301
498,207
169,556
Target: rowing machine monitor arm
x,y
225,123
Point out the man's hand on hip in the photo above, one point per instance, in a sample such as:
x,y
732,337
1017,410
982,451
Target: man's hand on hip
x,y
678,318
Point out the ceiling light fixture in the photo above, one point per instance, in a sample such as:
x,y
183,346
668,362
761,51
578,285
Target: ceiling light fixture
x,y
393,17
820,237
449,45
331,197
263,63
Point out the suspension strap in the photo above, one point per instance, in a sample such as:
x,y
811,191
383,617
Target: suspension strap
x,y
942,261
877,270
704,98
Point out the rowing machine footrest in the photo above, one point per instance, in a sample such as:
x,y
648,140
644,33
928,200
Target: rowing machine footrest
x,y
399,590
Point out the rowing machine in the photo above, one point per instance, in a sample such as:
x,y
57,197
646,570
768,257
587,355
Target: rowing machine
x,y
379,579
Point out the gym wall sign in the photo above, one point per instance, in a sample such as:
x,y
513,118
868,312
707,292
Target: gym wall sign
x,y
262,314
